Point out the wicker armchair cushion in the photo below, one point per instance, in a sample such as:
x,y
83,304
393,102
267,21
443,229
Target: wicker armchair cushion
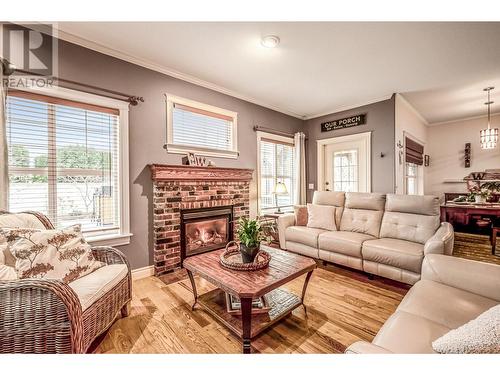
x,y
93,286
56,254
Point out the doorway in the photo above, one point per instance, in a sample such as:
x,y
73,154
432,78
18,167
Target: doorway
x,y
344,163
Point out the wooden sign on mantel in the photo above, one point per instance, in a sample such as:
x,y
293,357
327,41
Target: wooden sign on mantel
x,y
342,123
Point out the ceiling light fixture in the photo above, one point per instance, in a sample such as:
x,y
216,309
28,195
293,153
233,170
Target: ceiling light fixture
x,y
270,41
489,136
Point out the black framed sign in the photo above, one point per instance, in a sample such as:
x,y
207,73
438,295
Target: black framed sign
x,y
342,123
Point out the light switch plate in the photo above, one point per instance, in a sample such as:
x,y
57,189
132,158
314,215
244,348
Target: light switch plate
x,y
311,186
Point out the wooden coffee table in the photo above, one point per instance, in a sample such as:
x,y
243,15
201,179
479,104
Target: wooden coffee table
x,y
247,285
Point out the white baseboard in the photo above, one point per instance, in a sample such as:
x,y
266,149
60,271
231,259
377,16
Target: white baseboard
x,y
141,273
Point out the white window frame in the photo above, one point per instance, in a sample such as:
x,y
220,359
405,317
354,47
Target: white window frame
x,y
122,237
183,149
273,137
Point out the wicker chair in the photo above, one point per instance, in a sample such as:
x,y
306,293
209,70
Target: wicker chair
x,y
46,316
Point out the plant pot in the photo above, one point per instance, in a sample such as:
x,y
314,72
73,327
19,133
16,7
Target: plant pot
x,y
479,199
248,254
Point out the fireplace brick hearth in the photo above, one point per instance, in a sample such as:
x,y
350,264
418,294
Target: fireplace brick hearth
x,y
177,188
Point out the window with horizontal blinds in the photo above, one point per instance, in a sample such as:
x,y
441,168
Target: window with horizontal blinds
x,y
201,128
414,152
63,160
276,165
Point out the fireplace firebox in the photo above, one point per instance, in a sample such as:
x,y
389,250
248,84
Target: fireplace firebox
x,y
205,229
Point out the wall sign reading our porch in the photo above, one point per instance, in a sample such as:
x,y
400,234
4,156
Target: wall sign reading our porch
x,y
342,123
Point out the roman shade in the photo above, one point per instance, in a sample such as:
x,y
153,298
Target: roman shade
x,y
414,152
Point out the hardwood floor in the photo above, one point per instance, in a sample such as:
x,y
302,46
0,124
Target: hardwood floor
x,y
343,306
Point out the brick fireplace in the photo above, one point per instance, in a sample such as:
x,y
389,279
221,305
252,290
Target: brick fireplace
x,y
195,209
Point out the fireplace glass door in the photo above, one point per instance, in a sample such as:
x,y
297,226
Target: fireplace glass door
x,y
205,230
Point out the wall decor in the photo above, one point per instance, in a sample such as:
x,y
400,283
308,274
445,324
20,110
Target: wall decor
x,y
467,155
426,160
342,123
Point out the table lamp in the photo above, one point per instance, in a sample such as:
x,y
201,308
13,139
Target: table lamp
x,y
279,189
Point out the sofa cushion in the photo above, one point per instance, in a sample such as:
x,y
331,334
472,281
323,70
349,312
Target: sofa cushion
x,y
331,198
412,204
302,249
321,217
93,286
361,221
398,253
365,201
304,235
348,243
481,335
407,333
409,227
425,299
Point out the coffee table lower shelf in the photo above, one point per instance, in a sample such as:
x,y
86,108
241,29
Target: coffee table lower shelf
x,y
281,302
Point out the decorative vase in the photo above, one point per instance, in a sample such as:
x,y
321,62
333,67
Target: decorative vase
x,y
248,254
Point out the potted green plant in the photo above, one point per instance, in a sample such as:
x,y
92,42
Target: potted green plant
x,y
250,235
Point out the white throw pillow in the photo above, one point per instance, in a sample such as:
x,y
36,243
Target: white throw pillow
x,y
481,335
321,216
55,254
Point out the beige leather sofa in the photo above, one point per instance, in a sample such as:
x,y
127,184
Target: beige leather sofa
x,y
386,235
452,292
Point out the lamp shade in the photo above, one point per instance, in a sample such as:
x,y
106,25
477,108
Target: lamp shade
x,y
280,189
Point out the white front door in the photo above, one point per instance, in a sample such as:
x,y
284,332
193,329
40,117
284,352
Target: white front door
x,y
344,163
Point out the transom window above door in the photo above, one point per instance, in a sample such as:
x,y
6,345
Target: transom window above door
x,y
200,128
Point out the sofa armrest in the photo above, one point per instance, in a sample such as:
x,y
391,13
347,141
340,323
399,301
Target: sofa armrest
x,y
40,316
364,347
284,221
472,276
442,241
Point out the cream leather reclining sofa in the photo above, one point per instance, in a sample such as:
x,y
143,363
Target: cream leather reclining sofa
x,y
452,292
385,235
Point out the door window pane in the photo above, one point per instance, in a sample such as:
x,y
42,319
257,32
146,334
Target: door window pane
x,y
345,170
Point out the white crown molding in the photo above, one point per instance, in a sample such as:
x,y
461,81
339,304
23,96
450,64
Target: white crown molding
x,y
347,107
167,71
413,109
495,114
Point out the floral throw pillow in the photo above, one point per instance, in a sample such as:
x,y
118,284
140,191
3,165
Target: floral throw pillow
x,y
56,254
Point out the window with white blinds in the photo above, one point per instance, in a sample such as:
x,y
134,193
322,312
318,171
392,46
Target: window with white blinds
x,y
200,128
276,158
64,161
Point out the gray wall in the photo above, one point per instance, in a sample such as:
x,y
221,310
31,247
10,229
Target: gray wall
x,y
148,127
379,120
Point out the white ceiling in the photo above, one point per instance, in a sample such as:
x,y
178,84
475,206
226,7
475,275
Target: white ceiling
x,y
318,68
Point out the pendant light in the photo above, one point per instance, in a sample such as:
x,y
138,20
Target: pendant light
x,y
489,136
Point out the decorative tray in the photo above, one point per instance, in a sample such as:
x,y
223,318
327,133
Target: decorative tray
x,y
231,258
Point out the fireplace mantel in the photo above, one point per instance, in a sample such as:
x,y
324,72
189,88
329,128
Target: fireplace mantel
x,y
162,172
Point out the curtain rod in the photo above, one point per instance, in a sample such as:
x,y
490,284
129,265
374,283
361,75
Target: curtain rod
x,y
133,100
273,131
